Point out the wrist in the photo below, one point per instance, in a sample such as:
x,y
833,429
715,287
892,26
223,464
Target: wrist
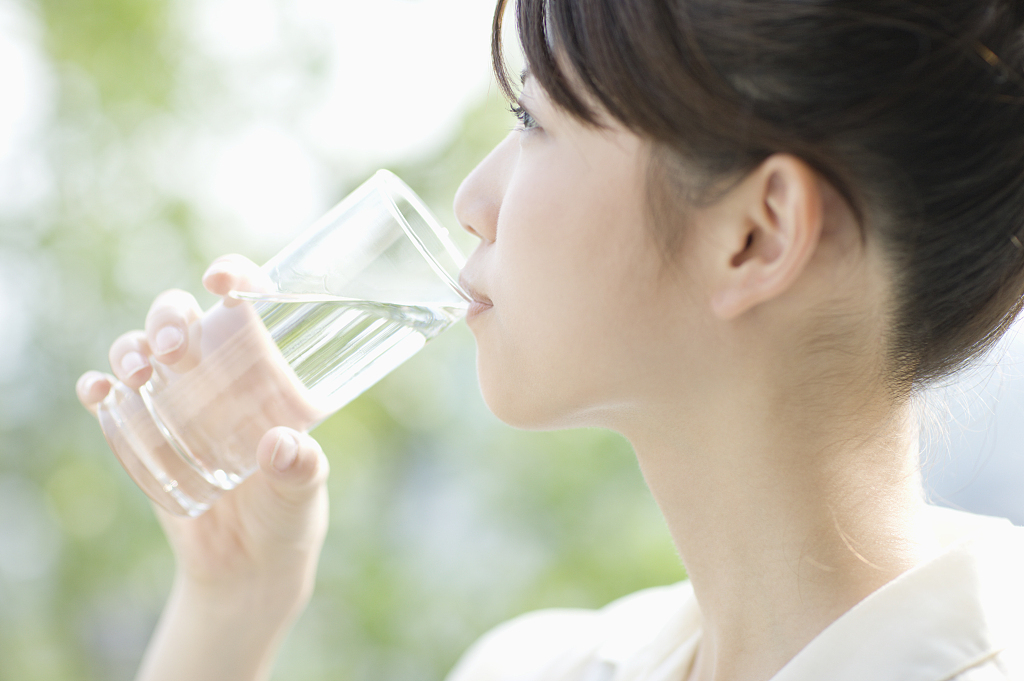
x,y
266,601
225,633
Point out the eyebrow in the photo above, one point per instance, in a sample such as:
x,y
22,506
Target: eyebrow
x,y
524,75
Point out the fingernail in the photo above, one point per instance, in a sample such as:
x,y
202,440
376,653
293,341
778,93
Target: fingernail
x,y
132,363
168,340
213,271
285,452
87,384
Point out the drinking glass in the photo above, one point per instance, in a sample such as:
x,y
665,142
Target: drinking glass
x,y
358,293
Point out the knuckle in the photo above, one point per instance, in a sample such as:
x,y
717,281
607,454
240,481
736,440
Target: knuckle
x,y
172,308
173,302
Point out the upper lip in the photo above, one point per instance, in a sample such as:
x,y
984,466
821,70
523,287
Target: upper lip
x,y
471,290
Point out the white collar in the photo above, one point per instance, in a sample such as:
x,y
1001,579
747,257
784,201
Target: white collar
x,y
956,611
952,613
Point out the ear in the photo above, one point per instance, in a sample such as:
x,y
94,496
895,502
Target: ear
x,y
774,220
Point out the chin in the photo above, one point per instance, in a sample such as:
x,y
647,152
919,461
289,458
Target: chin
x,y
527,405
518,402
519,410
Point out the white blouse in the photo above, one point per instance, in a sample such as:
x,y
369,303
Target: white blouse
x,y
957,617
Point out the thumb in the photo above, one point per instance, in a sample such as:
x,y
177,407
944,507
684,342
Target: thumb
x,y
292,463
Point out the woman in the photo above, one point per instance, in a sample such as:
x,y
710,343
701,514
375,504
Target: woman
x,y
745,234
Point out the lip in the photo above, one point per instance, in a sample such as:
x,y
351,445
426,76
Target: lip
x,y
476,308
480,302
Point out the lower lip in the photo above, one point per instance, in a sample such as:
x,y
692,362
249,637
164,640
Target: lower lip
x,y
476,308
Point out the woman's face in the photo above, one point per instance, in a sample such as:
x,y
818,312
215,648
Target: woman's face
x,y
570,326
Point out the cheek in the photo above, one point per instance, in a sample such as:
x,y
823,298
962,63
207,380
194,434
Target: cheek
x,y
572,272
569,231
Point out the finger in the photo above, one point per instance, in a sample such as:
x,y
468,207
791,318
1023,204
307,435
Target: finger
x,y
290,490
293,463
168,324
129,359
91,388
235,273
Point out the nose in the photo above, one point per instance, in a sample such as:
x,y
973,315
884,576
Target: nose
x,y
478,200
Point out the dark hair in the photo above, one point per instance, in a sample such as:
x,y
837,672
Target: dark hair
x,y
912,109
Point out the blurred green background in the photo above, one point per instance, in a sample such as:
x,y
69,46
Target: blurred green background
x,y
142,138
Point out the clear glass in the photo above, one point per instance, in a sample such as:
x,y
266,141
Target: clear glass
x,y
353,297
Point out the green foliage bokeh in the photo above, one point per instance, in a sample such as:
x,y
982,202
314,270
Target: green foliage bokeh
x,y
444,521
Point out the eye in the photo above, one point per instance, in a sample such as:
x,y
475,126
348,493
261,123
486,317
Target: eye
x,y
526,119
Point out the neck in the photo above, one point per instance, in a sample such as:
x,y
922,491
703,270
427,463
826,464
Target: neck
x,y
783,525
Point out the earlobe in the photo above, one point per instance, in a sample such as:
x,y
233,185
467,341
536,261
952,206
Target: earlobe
x,y
777,221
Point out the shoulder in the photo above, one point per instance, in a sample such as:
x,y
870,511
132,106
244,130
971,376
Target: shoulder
x,y
979,578
546,641
519,646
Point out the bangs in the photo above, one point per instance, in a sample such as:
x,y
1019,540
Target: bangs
x,y
540,36
638,61
599,51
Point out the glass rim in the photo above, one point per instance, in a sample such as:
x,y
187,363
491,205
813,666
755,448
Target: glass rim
x,y
386,181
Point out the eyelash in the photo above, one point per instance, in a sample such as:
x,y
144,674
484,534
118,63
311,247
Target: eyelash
x,y
526,119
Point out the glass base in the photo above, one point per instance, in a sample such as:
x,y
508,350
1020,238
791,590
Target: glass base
x,y
152,462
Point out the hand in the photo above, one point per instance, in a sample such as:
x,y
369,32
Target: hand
x,y
259,544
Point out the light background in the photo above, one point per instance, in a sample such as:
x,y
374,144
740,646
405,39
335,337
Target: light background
x,y
141,138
